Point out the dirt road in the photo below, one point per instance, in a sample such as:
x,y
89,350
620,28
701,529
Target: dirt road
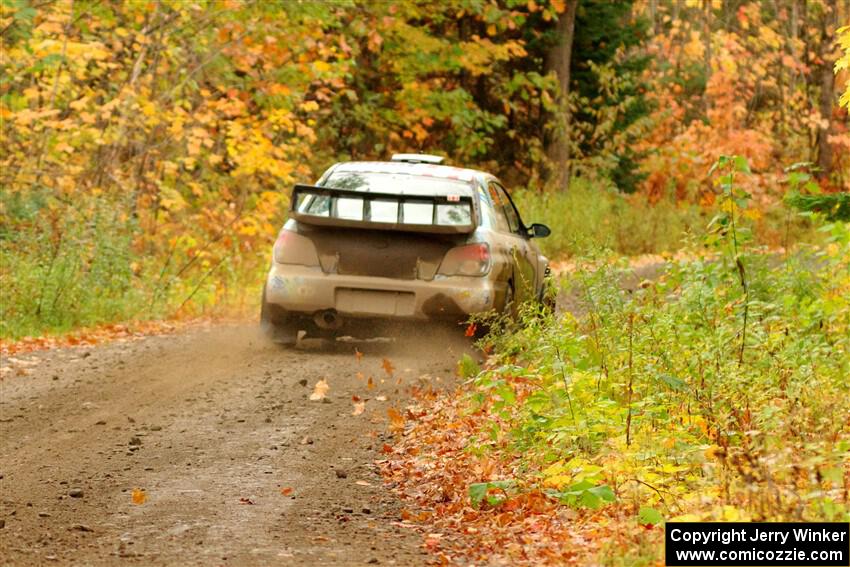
x,y
215,425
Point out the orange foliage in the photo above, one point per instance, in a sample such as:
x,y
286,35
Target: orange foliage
x,y
431,468
755,104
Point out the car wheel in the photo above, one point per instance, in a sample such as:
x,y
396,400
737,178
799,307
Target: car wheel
x,y
276,324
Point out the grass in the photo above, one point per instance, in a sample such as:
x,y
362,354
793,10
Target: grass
x,y
66,267
716,392
588,217
693,398
586,431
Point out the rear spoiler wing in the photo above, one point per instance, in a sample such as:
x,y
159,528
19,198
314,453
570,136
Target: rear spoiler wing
x,y
303,196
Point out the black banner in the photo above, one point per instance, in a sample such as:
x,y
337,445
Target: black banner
x,y
766,544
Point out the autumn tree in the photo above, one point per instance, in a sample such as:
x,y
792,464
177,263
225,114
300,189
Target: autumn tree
x,y
843,63
607,63
828,20
558,61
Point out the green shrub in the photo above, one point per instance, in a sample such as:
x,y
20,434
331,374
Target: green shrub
x,y
647,391
835,206
717,392
64,268
588,217
69,265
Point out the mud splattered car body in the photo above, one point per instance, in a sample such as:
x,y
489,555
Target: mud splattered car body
x,y
404,240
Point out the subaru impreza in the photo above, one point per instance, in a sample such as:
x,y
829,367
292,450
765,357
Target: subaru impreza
x,y
408,240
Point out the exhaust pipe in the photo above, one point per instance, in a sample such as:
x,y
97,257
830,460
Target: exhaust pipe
x,y
328,319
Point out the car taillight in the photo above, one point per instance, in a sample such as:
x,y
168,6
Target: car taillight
x,y
469,260
293,248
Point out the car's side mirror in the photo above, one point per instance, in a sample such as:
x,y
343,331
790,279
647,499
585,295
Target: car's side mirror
x,y
538,230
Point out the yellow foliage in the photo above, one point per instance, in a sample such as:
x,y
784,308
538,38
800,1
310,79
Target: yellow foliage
x,y
843,63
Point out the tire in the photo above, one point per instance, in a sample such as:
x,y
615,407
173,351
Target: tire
x,y
276,324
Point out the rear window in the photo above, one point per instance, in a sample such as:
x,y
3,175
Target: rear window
x,y
454,215
396,183
412,206
415,212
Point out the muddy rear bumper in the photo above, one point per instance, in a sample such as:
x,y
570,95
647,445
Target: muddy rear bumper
x,y
306,291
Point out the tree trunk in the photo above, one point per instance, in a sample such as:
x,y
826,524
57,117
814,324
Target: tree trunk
x,y
793,48
706,38
653,10
827,86
558,60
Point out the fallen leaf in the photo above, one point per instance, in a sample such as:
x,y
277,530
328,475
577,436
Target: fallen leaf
x,y
246,501
139,496
470,330
432,542
388,366
358,355
396,419
362,483
286,491
360,376
320,390
370,384
359,407
381,398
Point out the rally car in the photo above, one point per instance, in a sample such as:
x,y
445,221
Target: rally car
x,y
405,240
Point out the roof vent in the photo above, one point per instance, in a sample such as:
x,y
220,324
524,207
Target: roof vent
x,y
418,158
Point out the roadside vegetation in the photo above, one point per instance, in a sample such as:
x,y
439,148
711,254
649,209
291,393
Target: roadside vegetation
x,y
716,392
590,217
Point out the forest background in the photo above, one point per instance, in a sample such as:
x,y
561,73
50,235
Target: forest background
x,y
148,147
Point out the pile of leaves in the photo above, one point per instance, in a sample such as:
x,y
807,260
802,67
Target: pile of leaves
x,y
716,392
474,505
101,334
